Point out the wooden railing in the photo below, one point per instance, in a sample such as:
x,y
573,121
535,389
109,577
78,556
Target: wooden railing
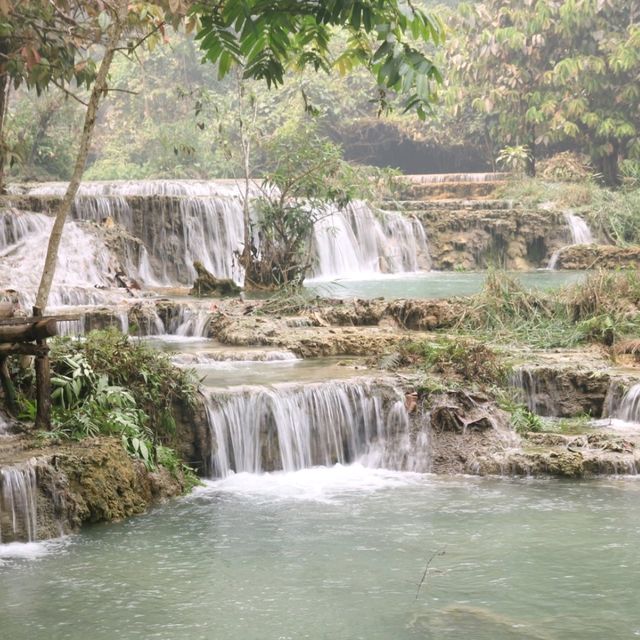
x,y
28,337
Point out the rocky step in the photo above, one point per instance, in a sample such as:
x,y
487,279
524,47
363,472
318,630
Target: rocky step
x,y
448,190
597,256
450,204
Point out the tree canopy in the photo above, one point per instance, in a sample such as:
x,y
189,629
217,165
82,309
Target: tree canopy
x,y
546,72
266,37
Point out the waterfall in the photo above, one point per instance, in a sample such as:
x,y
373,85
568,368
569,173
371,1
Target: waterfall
x,y
18,504
228,359
184,319
86,268
171,224
178,222
291,427
436,178
629,409
4,425
537,400
580,234
356,242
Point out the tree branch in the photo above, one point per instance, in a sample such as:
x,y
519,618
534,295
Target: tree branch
x,y
69,93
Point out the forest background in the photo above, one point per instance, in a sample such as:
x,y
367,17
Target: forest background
x,y
523,80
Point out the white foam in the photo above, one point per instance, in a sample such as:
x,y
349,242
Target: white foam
x,y
618,424
314,484
29,550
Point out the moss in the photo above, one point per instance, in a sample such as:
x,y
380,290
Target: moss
x,y
207,285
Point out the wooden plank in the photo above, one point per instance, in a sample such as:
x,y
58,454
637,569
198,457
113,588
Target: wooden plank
x,y
21,348
5,322
41,330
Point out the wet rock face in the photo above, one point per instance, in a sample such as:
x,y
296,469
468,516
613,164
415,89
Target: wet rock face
x,y
562,392
64,487
592,454
590,256
477,235
464,428
416,315
193,436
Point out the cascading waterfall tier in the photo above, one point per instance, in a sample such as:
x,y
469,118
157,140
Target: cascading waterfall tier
x,y
225,359
580,234
178,222
174,223
290,427
629,409
86,268
356,242
18,504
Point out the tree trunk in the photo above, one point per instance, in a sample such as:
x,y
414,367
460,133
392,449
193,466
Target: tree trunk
x,y
247,256
4,103
99,88
10,396
608,167
530,167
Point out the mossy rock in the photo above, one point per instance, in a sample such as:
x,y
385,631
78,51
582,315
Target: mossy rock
x,y
207,285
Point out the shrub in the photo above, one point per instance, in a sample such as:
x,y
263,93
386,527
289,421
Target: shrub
x,y
155,383
463,358
109,384
565,167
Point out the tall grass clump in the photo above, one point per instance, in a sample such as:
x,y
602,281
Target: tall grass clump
x,y
604,308
505,310
615,215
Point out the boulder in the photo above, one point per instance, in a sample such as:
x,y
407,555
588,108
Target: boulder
x,y
207,285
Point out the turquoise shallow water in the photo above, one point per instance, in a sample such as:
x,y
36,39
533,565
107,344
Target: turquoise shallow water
x,y
432,284
338,553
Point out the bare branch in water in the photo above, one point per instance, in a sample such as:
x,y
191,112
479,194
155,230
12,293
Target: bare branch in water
x,y
440,552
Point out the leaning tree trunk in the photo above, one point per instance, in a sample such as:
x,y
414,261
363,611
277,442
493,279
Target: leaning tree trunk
x,y
5,86
99,88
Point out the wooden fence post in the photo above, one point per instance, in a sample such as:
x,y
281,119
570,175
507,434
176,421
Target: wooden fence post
x,y
43,381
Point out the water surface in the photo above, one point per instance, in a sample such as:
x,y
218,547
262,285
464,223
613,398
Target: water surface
x,y
432,284
339,553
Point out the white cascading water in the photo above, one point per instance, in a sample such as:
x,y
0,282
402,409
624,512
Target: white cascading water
x,y
291,427
541,399
580,234
232,358
629,409
186,221
356,242
4,425
18,504
180,222
436,178
86,268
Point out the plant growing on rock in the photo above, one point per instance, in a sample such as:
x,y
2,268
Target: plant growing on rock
x,y
305,180
459,357
157,386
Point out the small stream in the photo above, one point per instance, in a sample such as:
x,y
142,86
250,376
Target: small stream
x,y
338,553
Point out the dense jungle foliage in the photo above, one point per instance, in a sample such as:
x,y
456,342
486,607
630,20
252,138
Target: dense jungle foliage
x,y
522,80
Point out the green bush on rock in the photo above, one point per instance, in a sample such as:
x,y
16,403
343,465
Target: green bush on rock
x,y
109,384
